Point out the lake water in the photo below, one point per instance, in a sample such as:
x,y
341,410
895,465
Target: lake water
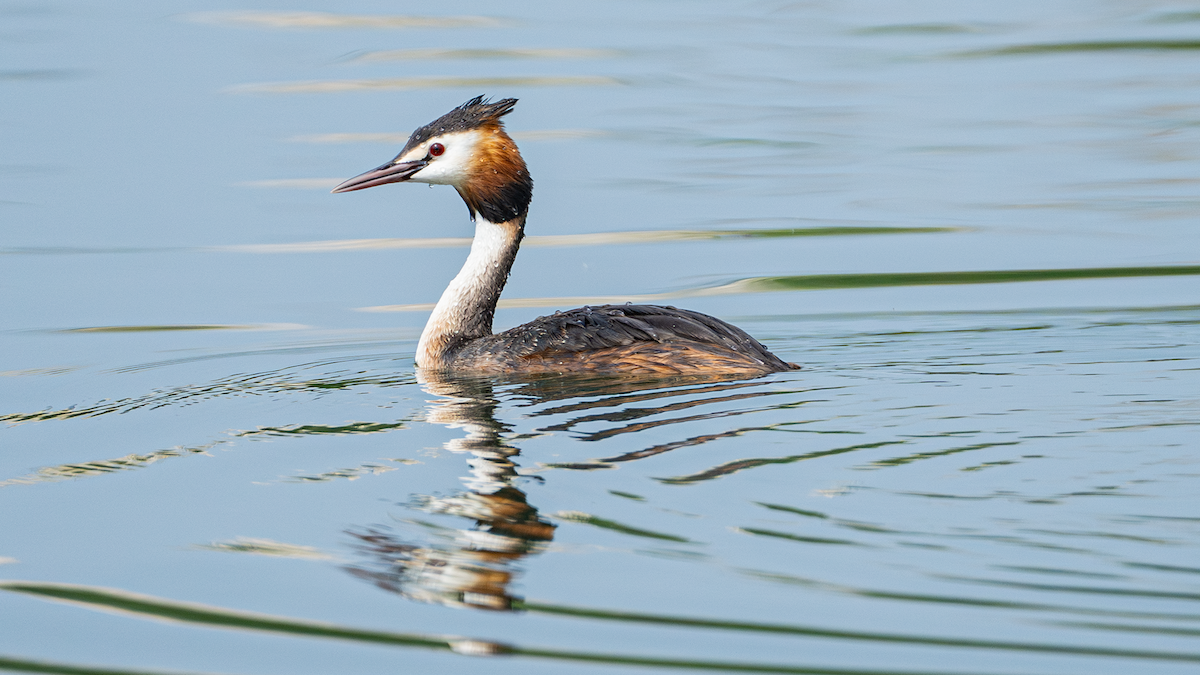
x,y
973,224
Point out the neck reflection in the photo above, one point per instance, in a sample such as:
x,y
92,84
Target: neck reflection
x,y
473,566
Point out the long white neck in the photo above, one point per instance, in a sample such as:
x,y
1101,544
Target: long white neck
x,y
465,311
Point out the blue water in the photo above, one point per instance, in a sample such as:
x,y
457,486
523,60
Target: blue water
x,y
974,227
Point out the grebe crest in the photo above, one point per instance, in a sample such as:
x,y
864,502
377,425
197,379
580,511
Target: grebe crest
x,y
468,149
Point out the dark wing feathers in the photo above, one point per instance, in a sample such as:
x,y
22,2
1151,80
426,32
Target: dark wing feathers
x,y
608,327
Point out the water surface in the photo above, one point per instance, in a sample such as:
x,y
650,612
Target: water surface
x,y
973,226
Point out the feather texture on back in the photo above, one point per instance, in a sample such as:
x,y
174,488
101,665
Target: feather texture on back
x,y
621,338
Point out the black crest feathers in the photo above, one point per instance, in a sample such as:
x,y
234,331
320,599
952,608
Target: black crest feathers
x,y
471,115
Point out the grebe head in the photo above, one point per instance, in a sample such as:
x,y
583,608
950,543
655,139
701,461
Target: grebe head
x,y
469,149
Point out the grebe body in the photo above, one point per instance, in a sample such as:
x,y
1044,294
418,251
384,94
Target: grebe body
x,y
469,149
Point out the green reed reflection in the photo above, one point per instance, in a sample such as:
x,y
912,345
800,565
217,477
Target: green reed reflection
x,y
915,457
604,523
826,282
919,29
797,537
878,594
1128,628
885,279
1095,46
326,430
1087,590
729,468
639,617
38,666
219,617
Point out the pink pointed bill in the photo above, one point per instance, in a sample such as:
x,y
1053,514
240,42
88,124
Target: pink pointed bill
x,y
392,172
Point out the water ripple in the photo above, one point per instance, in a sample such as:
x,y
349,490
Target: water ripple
x,y
815,282
409,83
312,20
489,54
1085,47
145,606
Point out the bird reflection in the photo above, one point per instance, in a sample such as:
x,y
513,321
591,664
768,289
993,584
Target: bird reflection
x,y
475,567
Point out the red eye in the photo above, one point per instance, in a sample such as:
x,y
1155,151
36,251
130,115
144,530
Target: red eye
x,y
437,149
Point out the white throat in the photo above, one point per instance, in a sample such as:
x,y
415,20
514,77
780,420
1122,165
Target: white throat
x,y
466,306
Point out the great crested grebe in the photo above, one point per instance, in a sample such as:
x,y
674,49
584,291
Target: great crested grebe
x,y
468,148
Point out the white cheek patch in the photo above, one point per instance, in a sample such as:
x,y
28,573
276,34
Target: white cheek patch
x,y
451,167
